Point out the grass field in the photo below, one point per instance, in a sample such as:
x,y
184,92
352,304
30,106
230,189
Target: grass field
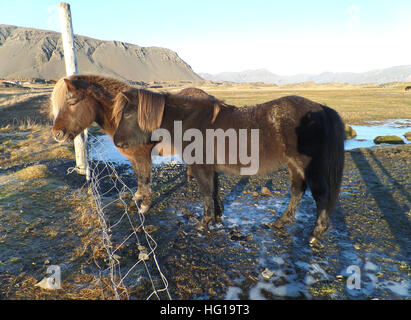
x,y
356,104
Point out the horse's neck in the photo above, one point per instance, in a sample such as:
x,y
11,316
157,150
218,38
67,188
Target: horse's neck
x,y
104,117
182,108
173,113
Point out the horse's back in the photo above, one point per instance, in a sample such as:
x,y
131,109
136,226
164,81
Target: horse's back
x,y
304,128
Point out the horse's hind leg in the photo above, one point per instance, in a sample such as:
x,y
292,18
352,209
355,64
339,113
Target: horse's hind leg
x,y
218,204
298,188
205,177
320,192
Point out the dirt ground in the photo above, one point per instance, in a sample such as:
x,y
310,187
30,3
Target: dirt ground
x,y
242,258
48,217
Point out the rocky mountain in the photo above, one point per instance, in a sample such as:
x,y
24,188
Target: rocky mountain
x,y
33,53
393,74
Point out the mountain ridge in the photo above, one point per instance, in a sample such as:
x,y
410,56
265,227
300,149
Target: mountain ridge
x,y
36,53
378,76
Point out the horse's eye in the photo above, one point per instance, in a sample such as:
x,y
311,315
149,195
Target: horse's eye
x,y
72,102
127,115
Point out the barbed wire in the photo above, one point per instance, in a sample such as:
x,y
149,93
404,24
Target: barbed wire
x,y
122,224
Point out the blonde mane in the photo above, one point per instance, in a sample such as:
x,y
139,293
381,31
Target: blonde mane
x,y
57,98
102,88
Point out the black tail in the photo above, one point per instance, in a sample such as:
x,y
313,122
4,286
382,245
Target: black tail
x,y
335,148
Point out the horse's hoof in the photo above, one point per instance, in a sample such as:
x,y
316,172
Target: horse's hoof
x,y
144,208
138,196
313,241
200,227
277,224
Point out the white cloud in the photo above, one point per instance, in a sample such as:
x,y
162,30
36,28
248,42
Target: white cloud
x,y
52,22
298,54
354,17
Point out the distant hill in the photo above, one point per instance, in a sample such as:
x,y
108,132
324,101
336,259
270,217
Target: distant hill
x,y
33,53
393,74
260,75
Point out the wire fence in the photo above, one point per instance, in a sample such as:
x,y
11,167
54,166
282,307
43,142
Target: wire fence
x,y
130,250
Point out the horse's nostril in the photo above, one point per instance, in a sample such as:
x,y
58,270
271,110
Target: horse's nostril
x,y
59,134
122,145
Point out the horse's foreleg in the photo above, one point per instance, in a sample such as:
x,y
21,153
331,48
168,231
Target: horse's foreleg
x,y
205,177
142,170
143,192
298,188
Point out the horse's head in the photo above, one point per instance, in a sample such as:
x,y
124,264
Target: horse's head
x,y
137,114
73,109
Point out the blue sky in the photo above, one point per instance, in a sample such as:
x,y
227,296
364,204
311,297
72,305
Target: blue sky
x,y
285,37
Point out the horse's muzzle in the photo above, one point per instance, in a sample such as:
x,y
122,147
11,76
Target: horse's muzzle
x,y
122,145
59,136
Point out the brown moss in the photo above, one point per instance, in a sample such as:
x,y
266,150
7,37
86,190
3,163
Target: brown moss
x,y
33,172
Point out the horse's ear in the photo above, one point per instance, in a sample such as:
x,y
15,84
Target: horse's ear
x,y
127,95
215,112
70,84
150,110
75,84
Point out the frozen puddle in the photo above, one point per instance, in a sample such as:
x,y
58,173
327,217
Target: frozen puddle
x,y
366,134
289,269
294,281
103,148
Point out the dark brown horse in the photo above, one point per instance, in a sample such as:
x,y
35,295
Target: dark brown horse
x,y
78,101
305,136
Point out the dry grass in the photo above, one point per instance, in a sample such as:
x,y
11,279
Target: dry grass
x,y
33,172
26,288
24,105
29,142
10,99
37,205
355,104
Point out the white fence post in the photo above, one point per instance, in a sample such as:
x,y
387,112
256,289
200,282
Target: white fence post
x,y
70,58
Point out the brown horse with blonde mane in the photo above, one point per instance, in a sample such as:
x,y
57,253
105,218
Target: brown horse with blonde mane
x,y
79,100
303,135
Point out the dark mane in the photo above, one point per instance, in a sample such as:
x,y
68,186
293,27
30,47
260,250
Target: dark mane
x,y
134,94
99,86
195,92
177,99
208,101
